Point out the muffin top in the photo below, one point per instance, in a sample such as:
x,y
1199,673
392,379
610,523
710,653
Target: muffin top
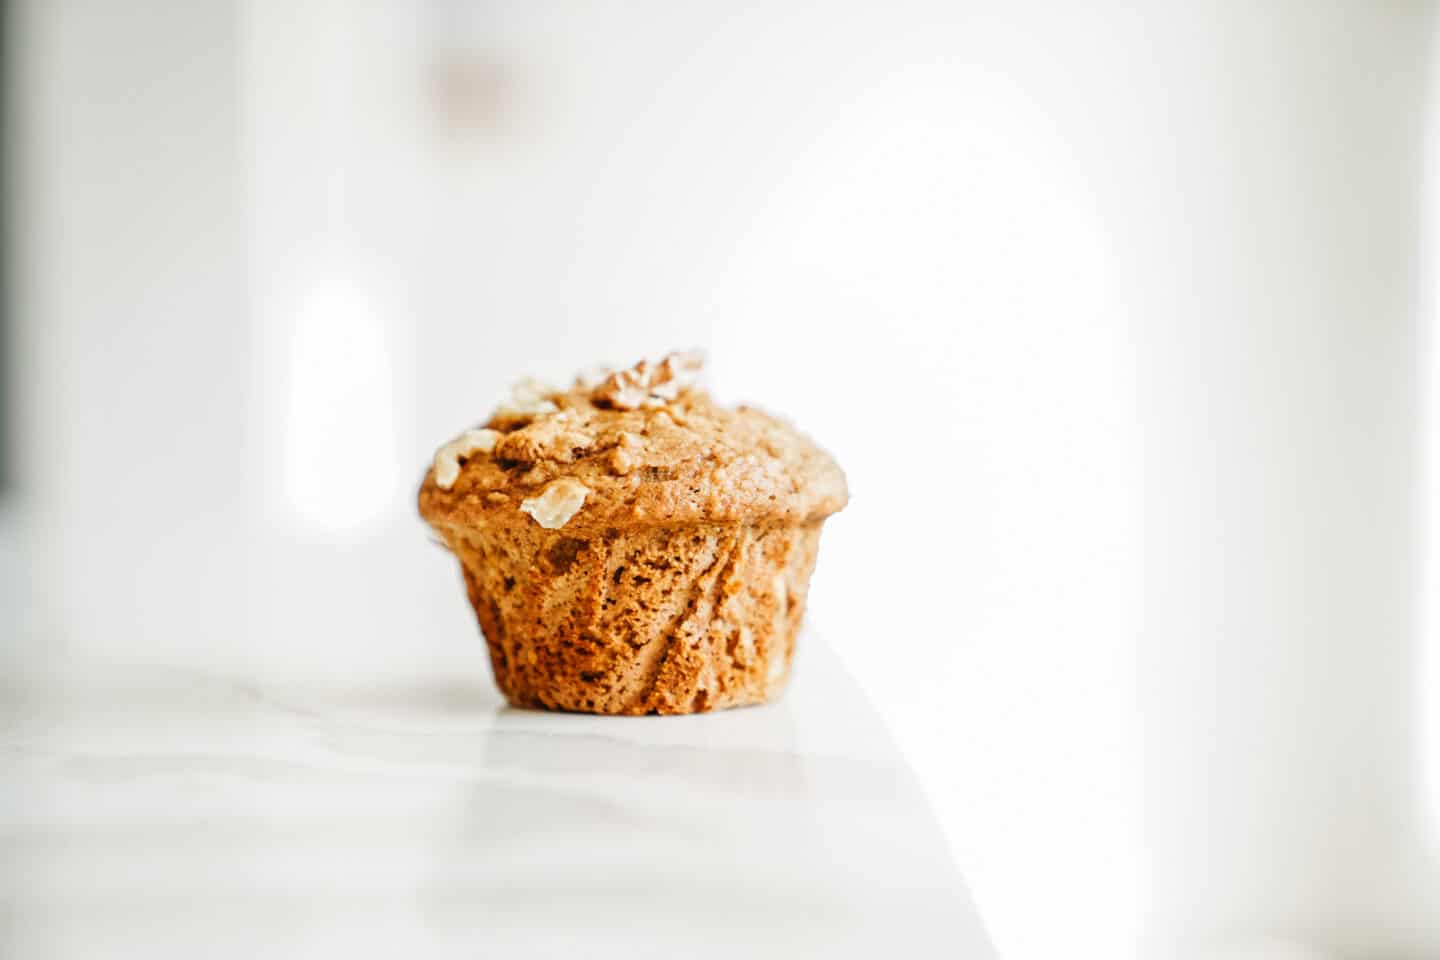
x,y
632,447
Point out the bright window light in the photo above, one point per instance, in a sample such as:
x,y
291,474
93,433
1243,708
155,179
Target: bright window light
x,y
339,434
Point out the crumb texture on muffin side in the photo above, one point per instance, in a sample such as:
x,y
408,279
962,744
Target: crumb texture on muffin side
x,y
629,546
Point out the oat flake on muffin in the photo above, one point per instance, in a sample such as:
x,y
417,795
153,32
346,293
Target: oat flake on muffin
x,y
631,547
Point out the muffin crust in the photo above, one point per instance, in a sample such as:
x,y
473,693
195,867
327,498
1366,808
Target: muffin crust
x,y
629,546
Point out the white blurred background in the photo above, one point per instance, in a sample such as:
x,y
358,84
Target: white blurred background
x,y
1117,317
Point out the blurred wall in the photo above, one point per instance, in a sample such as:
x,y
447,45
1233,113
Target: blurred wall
x,y
8,391
1108,312
133,329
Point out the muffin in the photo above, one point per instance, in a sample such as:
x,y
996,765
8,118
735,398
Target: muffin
x,y
631,547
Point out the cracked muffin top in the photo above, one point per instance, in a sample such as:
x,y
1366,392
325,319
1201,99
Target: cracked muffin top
x,y
633,447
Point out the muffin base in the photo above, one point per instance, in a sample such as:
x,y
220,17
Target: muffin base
x,y
655,620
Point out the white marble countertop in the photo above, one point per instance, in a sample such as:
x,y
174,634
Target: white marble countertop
x,y
154,812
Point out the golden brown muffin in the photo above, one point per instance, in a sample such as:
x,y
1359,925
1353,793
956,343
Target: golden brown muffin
x,y
631,547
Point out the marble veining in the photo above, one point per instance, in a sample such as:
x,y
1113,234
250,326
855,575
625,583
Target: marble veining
x,y
153,811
